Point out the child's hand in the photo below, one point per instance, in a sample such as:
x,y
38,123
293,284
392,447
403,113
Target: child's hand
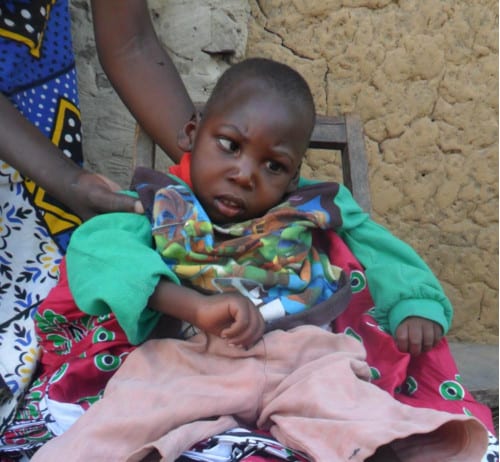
x,y
232,317
416,335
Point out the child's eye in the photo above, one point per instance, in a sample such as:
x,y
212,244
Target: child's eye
x,y
275,167
228,145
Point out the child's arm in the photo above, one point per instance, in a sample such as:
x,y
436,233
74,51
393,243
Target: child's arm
x,y
141,71
113,267
230,316
409,300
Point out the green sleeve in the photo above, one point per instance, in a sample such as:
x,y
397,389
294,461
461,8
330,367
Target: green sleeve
x,y
400,283
112,267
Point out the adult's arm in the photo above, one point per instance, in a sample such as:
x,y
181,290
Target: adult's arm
x,y
141,71
26,149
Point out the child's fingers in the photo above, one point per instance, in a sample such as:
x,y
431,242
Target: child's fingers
x,y
240,321
429,338
438,333
402,338
239,334
416,335
415,339
428,344
245,331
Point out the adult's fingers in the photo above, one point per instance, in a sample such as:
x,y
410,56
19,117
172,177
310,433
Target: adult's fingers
x,y
94,194
105,181
108,201
104,197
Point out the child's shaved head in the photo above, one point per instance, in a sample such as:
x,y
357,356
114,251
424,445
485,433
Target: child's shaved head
x,y
276,77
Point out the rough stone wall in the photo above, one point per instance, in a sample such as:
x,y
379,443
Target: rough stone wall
x,y
422,75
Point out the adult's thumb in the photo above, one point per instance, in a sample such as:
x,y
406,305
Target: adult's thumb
x,y
119,202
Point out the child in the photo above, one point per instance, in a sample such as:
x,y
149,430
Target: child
x,y
243,166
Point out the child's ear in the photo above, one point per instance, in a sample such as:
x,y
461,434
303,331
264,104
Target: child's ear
x,y
294,182
187,134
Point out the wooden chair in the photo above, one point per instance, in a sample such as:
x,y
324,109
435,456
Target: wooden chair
x,y
343,134
478,364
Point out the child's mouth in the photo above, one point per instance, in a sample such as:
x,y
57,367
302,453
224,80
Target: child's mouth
x,y
229,207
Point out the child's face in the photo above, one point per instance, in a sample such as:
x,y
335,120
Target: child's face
x,y
246,154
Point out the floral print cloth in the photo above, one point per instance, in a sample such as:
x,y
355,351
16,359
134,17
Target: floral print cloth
x,y
37,74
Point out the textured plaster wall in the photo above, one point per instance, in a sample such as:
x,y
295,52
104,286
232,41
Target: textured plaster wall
x,y
424,78
422,75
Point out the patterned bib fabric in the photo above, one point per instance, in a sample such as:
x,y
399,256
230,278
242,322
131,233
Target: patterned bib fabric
x,y
270,259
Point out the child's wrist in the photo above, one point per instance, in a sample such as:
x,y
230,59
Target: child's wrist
x,y
177,301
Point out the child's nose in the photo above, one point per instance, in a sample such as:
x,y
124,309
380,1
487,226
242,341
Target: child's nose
x,y
244,173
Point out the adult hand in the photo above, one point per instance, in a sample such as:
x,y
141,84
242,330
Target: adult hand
x,y
25,148
92,194
232,317
416,335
